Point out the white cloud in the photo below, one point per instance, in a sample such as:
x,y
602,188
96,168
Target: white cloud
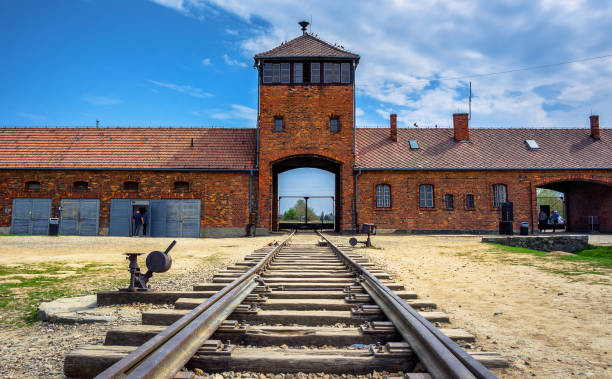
x,y
206,62
402,42
231,32
189,90
174,4
233,62
101,100
237,111
359,112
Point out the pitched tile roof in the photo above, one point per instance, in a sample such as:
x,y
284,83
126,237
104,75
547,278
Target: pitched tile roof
x,y
307,45
487,149
127,148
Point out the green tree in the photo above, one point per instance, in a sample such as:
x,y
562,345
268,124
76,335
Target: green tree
x,y
297,212
289,215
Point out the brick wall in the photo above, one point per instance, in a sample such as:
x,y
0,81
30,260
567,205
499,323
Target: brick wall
x,y
306,111
406,214
225,195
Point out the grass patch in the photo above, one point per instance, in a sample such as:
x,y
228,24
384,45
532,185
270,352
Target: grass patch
x,y
24,287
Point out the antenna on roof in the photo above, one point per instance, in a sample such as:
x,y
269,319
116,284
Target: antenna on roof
x,y
304,25
470,103
97,123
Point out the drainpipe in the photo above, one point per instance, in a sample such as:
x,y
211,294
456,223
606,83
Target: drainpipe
x,y
355,213
251,193
354,120
258,110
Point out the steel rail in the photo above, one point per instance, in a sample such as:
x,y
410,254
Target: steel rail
x,y
165,354
442,357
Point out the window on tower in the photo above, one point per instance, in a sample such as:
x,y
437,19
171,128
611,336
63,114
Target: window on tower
x,y
306,73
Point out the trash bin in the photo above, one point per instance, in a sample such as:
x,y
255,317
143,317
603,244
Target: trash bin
x,y
53,226
524,228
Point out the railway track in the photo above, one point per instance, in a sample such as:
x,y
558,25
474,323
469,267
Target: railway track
x,y
310,308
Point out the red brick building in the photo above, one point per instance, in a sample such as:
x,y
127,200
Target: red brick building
x,y
221,182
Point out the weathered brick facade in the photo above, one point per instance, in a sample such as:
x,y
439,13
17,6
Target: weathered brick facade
x,y
306,113
224,195
405,213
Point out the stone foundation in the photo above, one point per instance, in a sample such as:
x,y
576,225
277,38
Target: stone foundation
x,y
568,243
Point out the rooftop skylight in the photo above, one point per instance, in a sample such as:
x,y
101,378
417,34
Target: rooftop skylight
x,y
533,145
414,144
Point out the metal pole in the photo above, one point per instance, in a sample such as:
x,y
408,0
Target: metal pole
x,y
306,210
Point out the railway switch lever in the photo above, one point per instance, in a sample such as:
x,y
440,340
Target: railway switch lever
x,y
157,261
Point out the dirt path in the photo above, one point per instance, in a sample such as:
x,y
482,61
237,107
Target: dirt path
x,y
551,325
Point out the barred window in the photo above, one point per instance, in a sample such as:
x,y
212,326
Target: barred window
x,y
469,201
181,186
383,196
499,195
130,186
33,185
426,196
80,186
448,201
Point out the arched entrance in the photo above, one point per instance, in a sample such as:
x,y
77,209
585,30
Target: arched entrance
x,y
307,161
588,204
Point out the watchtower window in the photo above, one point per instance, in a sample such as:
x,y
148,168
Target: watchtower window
x,y
267,73
345,73
298,73
331,72
315,72
278,124
130,186
32,186
285,76
276,72
80,186
334,125
181,186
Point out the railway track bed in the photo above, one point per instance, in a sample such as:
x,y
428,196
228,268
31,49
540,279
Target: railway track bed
x,y
289,309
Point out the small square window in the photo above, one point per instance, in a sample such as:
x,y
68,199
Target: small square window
x,y
334,125
383,196
414,144
278,124
533,145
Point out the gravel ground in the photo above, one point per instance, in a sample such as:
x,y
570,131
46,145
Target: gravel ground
x,y
549,323
38,350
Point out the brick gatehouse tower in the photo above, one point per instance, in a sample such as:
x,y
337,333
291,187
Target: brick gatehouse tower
x,y
306,108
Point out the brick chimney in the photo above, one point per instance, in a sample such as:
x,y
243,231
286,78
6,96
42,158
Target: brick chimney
x,y
595,127
393,126
461,126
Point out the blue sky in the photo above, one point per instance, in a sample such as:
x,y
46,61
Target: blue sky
x,y
189,62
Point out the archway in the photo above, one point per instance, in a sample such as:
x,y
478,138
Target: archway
x,y
587,204
315,162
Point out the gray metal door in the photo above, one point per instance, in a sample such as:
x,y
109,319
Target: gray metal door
x,y
120,217
173,218
31,216
80,217
190,218
157,218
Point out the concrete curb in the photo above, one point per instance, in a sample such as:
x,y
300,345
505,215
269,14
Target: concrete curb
x,y
71,310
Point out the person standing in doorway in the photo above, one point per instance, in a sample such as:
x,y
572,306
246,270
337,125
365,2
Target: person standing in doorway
x,y
555,219
137,221
144,223
542,220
